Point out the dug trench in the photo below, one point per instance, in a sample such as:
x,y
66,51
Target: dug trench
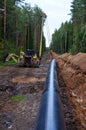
x,y
20,94
72,69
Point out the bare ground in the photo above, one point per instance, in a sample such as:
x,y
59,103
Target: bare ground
x,y
28,84
22,82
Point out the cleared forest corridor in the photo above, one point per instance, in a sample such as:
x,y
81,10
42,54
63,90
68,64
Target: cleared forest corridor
x,y
23,42
21,90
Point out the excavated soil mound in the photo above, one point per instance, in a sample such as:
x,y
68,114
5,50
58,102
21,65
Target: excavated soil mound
x,y
73,71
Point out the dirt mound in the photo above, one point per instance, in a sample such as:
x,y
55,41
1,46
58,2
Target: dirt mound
x,y
73,70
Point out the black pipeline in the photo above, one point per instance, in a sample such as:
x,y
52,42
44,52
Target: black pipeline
x,y
50,115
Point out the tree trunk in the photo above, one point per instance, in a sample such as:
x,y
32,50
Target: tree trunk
x,y
40,49
35,34
5,27
66,41
16,35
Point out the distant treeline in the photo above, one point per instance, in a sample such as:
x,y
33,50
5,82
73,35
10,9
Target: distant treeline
x,y
20,27
71,36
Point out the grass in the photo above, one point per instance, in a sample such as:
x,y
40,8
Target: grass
x,y
2,67
18,98
9,63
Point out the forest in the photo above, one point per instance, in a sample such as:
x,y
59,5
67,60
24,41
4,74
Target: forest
x,y
71,36
20,27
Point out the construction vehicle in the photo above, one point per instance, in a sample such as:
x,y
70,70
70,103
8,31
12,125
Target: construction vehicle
x,y
29,59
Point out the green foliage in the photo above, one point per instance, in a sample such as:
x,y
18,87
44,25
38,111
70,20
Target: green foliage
x,y
10,47
79,25
43,45
71,36
73,49
62,38
21,21
1,49
18,98
9,63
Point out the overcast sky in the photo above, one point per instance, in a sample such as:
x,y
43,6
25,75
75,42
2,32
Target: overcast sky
x,y
57,12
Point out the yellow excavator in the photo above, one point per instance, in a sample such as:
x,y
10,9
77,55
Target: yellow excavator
x,y
29,59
